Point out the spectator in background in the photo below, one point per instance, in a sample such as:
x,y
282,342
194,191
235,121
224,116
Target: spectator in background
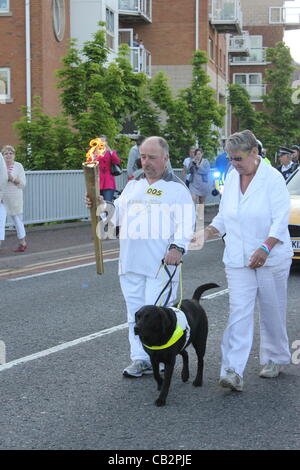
x,y
107,180
3,183
199,169
287,166
296,153
13,194
133,156
186,163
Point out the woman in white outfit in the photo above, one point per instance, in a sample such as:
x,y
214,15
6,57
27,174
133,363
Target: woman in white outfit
x,y
13,194
253,216
3,183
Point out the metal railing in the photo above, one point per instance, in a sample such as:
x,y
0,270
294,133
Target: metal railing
x,y
257,56
140,59
52,196
239,44
226,12
256,91
136,7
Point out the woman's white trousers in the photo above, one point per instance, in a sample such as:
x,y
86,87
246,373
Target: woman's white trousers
x,y
269,286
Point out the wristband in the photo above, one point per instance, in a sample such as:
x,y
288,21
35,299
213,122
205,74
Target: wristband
x,y
268,246
265,248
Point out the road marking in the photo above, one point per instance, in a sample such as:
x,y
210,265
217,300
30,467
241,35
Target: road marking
x,y
75,342
61,347
50,263
58,270
44,264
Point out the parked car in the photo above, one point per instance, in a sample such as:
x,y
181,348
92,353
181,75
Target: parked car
x,y
293,186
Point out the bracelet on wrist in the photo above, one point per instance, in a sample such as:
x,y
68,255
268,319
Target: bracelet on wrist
x,y
265,248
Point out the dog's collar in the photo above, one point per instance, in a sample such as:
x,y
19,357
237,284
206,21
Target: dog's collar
x,y
182,326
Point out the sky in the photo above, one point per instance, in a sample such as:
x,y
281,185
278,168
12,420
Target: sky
x,y
292,38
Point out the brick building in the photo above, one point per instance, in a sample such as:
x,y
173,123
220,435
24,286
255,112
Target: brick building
x,y
264,23
171,33
27,66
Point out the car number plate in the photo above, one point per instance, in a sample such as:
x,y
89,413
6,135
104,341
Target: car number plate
x,y
296,244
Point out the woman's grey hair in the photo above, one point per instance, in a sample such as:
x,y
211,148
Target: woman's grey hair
x,y
244,141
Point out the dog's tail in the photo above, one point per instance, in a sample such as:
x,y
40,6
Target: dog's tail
x,y
199,291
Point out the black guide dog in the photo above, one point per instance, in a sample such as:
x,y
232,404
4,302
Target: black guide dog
x,y
166,332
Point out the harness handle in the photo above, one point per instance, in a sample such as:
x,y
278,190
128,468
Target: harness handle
x,y
171,276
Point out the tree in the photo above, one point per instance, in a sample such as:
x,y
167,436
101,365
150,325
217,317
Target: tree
x,y
43,140
278,116
242,109
96,99
186,118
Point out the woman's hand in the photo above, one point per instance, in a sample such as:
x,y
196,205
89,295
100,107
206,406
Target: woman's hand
x,y
258,259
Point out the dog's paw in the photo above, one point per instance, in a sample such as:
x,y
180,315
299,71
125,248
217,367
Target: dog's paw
x,y
197,383
185,375
160,402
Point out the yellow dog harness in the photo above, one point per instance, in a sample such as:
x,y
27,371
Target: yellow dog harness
x,y
182,327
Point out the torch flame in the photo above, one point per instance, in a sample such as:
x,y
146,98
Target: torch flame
x,y
97,148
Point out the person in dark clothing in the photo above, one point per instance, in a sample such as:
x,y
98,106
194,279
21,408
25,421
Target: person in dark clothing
x,y
287,166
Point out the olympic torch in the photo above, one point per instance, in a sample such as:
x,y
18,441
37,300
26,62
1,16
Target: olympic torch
x,y
91,175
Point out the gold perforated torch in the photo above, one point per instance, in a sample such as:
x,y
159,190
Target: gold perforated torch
x,y
91,175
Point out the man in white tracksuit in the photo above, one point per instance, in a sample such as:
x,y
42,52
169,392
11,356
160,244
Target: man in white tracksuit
x,y
156,216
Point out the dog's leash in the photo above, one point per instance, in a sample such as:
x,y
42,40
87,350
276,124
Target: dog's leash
x,y
171,276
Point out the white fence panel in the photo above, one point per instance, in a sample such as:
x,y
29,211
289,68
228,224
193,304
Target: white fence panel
x,y
51,196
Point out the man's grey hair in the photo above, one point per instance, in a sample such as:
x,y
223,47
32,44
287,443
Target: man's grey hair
x,y
244,141
162,143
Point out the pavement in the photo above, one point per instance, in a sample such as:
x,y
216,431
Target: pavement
x,y
59,241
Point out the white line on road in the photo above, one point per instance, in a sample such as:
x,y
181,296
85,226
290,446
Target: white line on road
x,y
58,270
61,347
75,342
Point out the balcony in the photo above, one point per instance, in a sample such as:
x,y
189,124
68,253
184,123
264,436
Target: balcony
x,y
288,17
257,56
226,16
140,59
135,11
256,92
239,45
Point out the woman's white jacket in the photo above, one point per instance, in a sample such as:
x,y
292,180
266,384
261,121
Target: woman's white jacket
x,y
249,219
13,193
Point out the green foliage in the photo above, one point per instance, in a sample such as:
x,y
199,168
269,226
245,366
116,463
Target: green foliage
x,y
43,139
242,108
185,119
96,99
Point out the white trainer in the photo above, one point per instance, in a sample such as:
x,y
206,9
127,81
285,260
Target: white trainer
x,y
232,380
270,370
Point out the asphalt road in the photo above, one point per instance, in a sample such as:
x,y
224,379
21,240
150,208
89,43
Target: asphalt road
x,y
73,395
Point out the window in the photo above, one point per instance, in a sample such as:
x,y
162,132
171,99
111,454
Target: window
x,y
211,48
110,28
4,6
4,84
59,19
253,84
